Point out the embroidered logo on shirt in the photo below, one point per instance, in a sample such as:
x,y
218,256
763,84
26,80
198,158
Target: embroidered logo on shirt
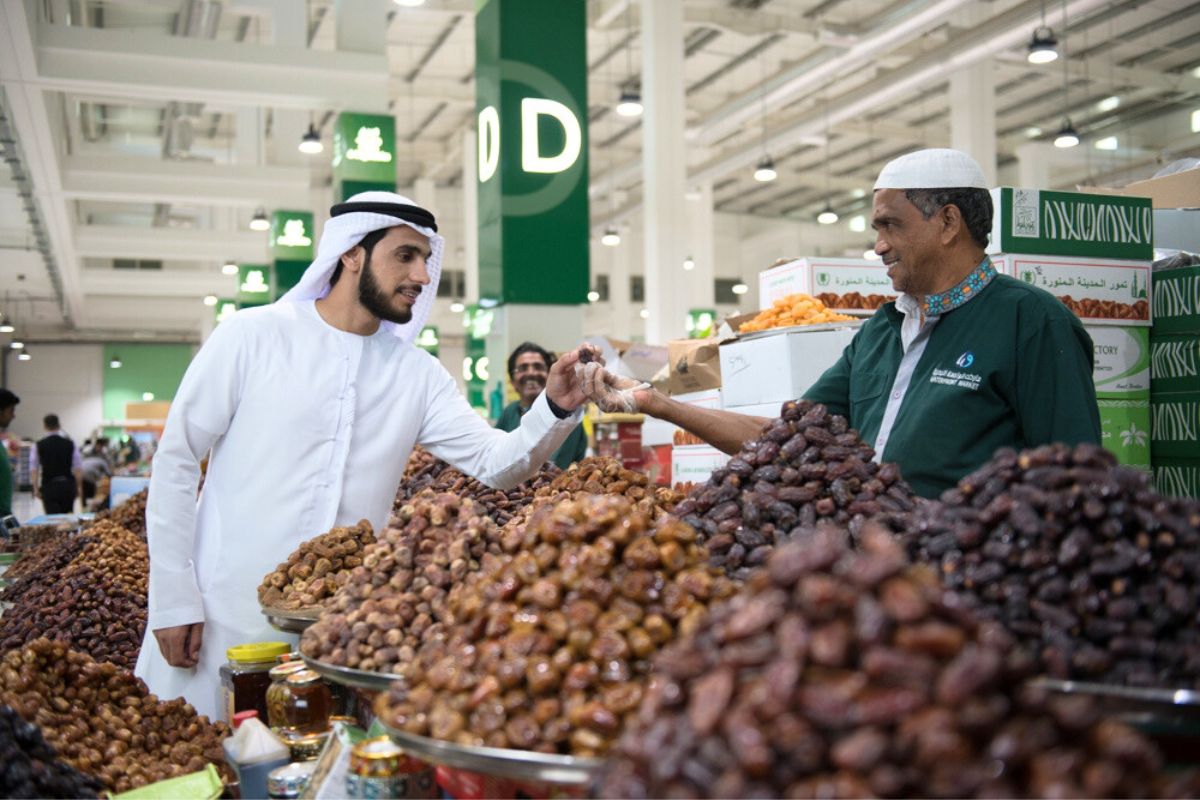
x,y
965,360
964,380
970,286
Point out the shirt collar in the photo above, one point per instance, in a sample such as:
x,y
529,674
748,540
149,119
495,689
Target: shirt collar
x,y
973,284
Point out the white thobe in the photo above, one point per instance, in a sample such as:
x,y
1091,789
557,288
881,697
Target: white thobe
x,y
309,427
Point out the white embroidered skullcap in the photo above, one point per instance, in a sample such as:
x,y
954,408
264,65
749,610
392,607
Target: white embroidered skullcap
x,y
935,168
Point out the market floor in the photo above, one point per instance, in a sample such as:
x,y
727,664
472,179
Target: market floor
x,y
25,507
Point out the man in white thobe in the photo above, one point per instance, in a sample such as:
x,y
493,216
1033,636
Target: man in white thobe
x,y
310,408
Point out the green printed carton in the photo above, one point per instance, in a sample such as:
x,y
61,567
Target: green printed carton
x,y
1125,431
1121,369
1177,477
1176,301
1175,364
1175,426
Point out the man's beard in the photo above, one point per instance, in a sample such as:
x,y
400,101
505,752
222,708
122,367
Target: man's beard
x,y
374,299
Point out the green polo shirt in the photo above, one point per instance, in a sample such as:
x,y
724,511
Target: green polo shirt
x,y
573,449
1010,368
6,481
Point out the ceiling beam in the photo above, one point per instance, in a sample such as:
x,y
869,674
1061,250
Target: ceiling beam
x,y
151,283
1105,71
140,180
169,244
138,64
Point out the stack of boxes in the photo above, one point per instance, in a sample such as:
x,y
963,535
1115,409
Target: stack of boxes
x,y
1094,253
1175,387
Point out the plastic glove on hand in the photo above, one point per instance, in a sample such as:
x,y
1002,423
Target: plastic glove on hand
x,y
612,393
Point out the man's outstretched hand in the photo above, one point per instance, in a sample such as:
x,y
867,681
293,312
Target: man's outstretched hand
x,y
612,393
564,383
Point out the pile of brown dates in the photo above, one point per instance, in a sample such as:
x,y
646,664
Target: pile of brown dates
x,y
316,569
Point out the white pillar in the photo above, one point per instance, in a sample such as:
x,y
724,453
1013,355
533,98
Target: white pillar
x,y
697,283
664,167
973,108
424,192
360,25
248,137
1033,165
470,217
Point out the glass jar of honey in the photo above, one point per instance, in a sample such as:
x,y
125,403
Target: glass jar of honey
x,y
309,702
245,678
277,692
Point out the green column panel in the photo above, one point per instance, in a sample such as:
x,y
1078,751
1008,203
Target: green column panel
x,y
224,309
531,102
344,190
364,148
476,369
292,236
701,323
155,368
287,275
428,339
254,285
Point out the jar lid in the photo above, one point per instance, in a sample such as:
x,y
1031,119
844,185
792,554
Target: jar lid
x,y
303,677
242,716
280,671
256,652
290,779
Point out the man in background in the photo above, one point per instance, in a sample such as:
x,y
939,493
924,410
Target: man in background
x,y
8,410
528,366
57,469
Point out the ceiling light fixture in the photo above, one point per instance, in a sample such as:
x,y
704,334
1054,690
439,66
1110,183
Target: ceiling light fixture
x,y
147,396
1033,131
457,307
765,171
24,357
310,142
644,313
229,268
739,288
593,296
409,3
1109,103
689,263
7,328
1067,135
259,221
630,104
115,363
1043,48
871,255
17,345
210,300
610,238
828,216
1107,143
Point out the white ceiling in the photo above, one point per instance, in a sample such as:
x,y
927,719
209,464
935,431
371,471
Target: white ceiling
x,y
130,119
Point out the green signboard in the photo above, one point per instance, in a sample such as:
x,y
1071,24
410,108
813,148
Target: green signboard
x,y
531,106
344,190
476,369
428,339
292,236
254,284
1071,224
287,275
224,309
364,148
701,323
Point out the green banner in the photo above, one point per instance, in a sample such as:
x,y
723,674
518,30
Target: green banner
x,y
292,236
254,284
344,190
1072,224
701,323
224,309
364,148
287,275
428,339
531,105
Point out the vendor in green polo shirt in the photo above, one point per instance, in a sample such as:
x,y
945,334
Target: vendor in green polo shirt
x,y
528,366
966,361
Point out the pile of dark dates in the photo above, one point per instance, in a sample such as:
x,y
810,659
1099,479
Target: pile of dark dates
x,y
31,768
843,672
1096,573
806,466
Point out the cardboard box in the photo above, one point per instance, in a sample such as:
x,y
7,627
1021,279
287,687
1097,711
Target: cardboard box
x,y
1073,224
693,366
841,283
1177,478
1175,296
1122,365
1098,290
774,368
1125,430
631,359
1180,190
1175,364
1177,229
1175,426
694,463
768,410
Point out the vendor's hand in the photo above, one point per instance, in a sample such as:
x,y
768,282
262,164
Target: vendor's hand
x,y
180,645
564,385
612,393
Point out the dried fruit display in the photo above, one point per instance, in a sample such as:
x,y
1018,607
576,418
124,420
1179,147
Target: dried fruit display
x,y
388,605
423,466
48,557
843,673
103,721
94,600
1089,308
1093,570
316,569
682,437
808,465
547,647
854,301
795,309
130,515
31,537
31,768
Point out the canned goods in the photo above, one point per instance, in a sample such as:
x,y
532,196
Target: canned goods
x,y
380,769
288,782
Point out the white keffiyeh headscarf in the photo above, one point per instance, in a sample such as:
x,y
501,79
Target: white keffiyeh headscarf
x,y
351,221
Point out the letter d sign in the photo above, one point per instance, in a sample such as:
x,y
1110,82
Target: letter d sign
x,y
531,158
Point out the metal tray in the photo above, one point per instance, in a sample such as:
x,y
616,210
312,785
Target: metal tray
x,y
499,762
1136,705
824,326
291,620
357,678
